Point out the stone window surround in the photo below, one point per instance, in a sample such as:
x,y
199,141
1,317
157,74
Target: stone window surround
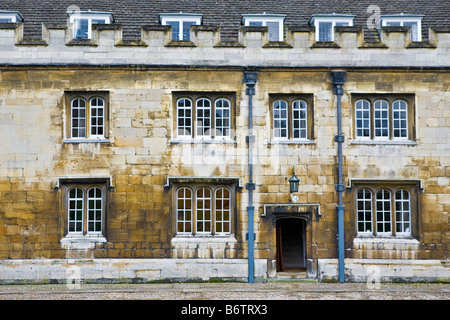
x,y
233,184
414,187
87,96
390,98
194,187
290,98
83,240
213,97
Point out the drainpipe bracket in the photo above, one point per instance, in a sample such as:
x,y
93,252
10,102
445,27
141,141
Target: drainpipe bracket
x,y
250,91
338,90
339,138
250,186
339,187
249,138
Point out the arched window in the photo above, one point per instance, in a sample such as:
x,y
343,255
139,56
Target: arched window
x,y
280,119
87,116
184,210
76,210
362,119
203,119
402,212
223,211
299,119
78,116
381,119
383,211
364,211
223,117
203,210
184,117
95,210
400,119
97,117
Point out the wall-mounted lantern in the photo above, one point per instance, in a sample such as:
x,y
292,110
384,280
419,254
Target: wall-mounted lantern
x,y
293,183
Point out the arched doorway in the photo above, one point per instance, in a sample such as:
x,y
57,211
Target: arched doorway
x,y
291,245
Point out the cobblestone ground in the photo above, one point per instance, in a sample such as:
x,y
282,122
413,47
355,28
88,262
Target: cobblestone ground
x,y
228,291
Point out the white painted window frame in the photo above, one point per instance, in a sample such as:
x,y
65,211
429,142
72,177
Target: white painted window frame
x,y
299,106
403,212
88,118
374,212
380,118
97,126
404,109
382,223
223,105
197,129
12,16
362,108
186,130
402,18
85,210
277,129
315,20
181,18
75,17
223,211
264,19
193,210
364,211
203,107
70,211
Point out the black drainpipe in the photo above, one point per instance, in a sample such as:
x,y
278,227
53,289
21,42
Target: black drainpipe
x,y
338,80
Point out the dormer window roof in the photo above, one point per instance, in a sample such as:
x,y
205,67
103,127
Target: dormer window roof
x,y
273,22
325,23
83,20
181,24
10,17
414,21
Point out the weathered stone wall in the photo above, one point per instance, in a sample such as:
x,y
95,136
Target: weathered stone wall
x,y
206,49
141,153
73,272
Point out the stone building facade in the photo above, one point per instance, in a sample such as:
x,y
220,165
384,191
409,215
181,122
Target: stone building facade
x,y
143,158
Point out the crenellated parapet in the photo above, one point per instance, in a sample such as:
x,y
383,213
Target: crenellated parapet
x,y
391,47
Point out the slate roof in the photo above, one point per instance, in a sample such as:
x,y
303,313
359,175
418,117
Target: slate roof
x,y
227,14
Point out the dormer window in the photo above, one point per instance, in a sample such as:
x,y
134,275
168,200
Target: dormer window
x,y
181,24
325,23
82,22
273,22
405,20
10,17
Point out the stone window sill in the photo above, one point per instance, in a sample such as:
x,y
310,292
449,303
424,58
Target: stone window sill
x,y
385,142
203,239
205,141
86,140
385,239
292,141
82,241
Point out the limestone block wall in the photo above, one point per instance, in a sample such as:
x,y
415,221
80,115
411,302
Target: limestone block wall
x,y
205,48
74,272
141,152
